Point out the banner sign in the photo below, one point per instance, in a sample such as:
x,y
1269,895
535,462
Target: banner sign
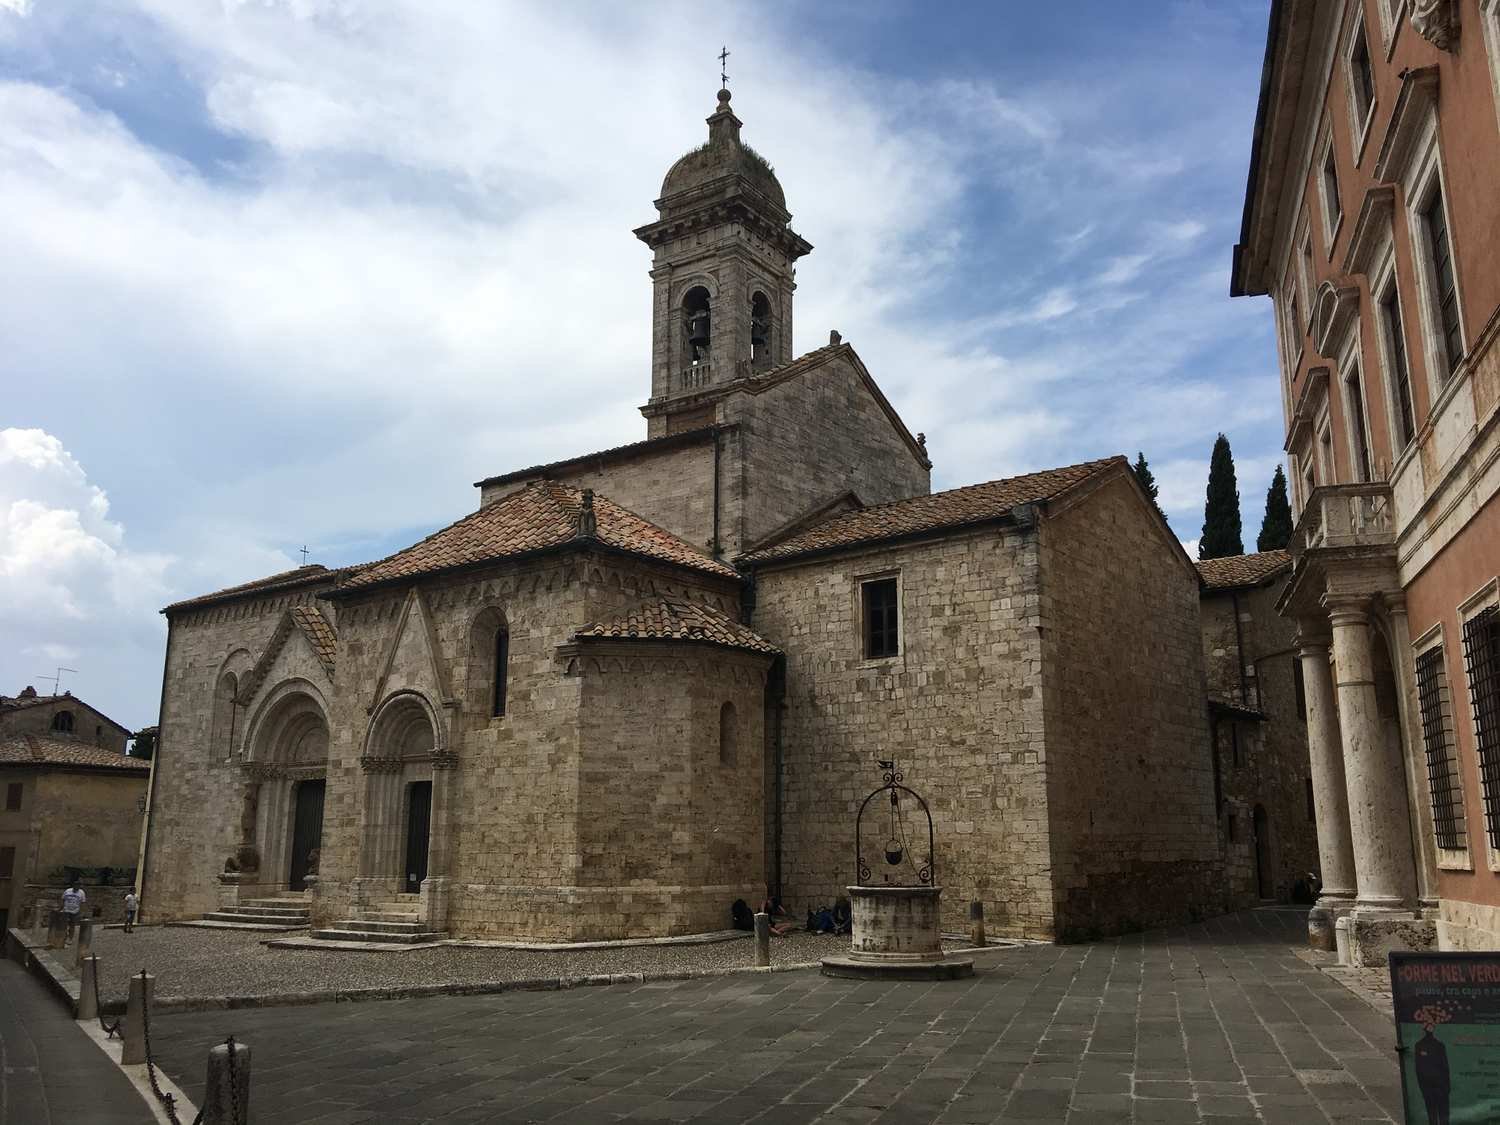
x,y
1448,1034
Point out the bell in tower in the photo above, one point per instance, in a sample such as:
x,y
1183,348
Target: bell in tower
x,y
760,330
697,322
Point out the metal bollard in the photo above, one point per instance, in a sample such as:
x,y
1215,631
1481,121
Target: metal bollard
x,y
762,940
976,923
142,989
226,1094
88,988
85,941
57,930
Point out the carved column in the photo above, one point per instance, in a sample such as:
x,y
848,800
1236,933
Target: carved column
x,y
1378,822
439,842
1330,797
1413,759
378,823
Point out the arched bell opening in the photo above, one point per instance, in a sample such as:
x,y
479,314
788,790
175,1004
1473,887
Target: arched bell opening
x,y
696,325
760,330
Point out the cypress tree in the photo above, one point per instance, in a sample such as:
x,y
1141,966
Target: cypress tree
x,y
1276,528
1148,482
1221,508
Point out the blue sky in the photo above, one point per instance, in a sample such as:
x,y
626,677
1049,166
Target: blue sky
x,y
299,271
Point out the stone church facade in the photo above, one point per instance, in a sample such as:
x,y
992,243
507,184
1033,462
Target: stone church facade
x,y
636,685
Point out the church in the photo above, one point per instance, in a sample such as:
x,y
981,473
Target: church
x,y
640,683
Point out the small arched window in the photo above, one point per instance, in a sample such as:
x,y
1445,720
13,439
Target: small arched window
x,y
221,739
502,666
62,722
760,329
729,735
489,664
696,323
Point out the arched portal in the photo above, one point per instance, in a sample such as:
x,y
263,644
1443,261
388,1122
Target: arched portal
x,y
398,763
288,753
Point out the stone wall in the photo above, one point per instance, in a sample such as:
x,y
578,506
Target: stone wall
x,y
89,726
1129,777
670,826
959,709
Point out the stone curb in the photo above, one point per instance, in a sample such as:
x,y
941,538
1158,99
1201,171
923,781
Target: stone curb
x,y
37,959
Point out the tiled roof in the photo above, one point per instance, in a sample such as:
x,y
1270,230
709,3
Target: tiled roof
x,y
287,579
43,750
1243,570
21,702
673,620
543,515
319,634
957,507
667,441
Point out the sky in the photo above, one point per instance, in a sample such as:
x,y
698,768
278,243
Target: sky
x,y
286,273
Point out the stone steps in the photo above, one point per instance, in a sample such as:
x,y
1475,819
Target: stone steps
x,y
358,931
254,914
277,913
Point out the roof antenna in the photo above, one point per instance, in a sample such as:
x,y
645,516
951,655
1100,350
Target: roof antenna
x,y
723,60
57,679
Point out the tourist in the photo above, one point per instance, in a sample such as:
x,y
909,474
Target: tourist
x,y
73,899
773,909
131,904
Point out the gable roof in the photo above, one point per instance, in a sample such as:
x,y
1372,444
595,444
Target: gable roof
x,y
672,619
319,634
937,511
1238,571
615,453
544,515
41,750
21,702
273,583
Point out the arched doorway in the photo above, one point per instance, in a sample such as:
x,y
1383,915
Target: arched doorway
x,y
396,841
289,751
1265,877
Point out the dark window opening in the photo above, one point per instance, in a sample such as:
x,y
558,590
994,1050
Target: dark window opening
x,y
1334,209
502,660
1299,688
1406,426
1482,655
882,625
1437,742
1363,467
760,329
7,862
696,324
1364,80
13,796
1445,290
1231,827
63,722
1312,807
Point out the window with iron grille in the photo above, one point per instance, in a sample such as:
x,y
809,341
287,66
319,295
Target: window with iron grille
x,y
881,618
1444,288
1482,656
1406,426
1437,741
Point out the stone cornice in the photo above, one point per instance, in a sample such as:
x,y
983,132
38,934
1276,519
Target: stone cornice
x,y
1371,228
1334,314
1309,402
1419,94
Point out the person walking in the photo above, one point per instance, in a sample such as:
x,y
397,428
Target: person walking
x,y
131,905
73,899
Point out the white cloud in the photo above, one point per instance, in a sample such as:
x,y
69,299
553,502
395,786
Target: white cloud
x,y
71,590
18,7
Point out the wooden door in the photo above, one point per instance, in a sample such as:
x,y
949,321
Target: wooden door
x,y
418,822
307,831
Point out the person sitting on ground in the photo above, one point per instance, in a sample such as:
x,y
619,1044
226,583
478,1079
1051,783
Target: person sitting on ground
x,y
842,915
773,909
741,916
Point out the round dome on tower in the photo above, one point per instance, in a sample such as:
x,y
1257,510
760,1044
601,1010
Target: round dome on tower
x,y
723,155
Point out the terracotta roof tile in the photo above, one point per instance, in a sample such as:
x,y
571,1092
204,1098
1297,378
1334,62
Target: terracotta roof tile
x,y
543,515
1243,570
287,579
957,507
43,750
673,620
319,634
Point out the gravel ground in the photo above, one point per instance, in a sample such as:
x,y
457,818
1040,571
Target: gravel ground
x,y
190,962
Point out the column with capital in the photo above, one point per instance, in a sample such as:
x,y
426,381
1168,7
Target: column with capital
x,y
1330,797
439,846
1379,824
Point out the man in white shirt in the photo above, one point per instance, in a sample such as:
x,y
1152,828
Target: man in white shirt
x,y
72,904
132,904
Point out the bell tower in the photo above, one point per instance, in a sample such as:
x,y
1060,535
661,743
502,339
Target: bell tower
x,y
722,272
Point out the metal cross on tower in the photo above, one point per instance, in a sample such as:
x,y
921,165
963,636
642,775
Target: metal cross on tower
x,y
303,549
723,59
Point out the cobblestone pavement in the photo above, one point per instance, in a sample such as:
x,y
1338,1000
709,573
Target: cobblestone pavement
x,y
198,962
49,1070
1215,1022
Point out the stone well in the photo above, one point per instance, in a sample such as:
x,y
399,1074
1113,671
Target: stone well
x,y
896,937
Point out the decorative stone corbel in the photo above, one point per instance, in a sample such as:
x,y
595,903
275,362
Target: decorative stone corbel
x,y
1437,22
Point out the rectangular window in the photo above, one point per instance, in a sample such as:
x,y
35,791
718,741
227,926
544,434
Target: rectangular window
x,y
1482,657
7,862
502,667
1231,826
1444,288
1361,78
882,624
1390,311
1360,438
1437,742
1307,276
13,796
1293,332
1333,210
